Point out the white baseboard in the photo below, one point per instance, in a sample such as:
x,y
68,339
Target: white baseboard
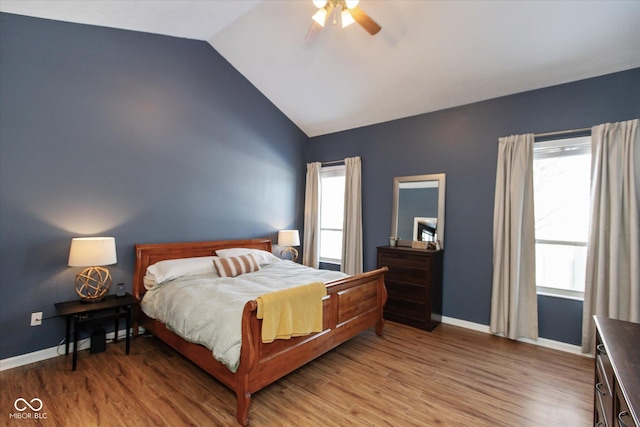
x,y
49,353
543,342
466,324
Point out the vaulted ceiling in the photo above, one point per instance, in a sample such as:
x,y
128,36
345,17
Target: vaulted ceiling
x,y
429,55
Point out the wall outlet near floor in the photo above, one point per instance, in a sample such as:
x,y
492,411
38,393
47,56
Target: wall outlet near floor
x,y
36,319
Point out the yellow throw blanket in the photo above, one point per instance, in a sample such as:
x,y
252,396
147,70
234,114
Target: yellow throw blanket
x,y
291,312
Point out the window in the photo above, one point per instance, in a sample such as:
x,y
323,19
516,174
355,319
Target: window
x,y
331,213
561,181
561,186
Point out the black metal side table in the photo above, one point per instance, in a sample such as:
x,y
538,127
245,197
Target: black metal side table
x,y
110,308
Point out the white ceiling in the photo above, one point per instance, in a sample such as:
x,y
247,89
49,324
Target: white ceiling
x,y
429,55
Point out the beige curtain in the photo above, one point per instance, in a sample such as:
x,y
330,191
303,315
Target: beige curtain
x,y
352,228
612,287
311,239
514,306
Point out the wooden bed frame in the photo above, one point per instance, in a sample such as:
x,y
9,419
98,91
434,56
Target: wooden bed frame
x,y
352,305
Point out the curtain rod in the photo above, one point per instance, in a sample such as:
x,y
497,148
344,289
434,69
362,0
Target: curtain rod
x,y
561,132
332,162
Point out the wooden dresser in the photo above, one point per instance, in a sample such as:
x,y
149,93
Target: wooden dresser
x,y
617,373
414,286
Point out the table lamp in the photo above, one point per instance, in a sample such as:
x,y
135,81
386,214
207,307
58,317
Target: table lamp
x,y
94,252
289,238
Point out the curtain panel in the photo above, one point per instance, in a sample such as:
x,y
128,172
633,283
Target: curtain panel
x,y
312,197
352,228
612,287
514,306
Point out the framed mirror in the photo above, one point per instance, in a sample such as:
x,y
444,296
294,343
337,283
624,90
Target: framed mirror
x,y
418,208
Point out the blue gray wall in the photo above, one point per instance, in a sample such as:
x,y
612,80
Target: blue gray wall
x,y
150,138
138,136
462,142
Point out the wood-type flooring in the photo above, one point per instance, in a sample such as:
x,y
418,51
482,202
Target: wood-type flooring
x,y
449,377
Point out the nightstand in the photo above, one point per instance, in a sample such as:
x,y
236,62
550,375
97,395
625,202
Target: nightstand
x,y
79,312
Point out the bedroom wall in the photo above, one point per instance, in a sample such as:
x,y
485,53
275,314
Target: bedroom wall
x,y
462,142
143,137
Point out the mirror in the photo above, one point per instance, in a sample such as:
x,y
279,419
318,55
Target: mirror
x,y
418,208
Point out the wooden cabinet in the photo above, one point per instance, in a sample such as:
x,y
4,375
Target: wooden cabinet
x,y
414,286
617,373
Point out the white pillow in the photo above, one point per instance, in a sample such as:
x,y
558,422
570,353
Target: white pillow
x,y
263,257
149,281
173,268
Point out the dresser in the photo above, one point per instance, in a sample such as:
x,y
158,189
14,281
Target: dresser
x,y
414,286
617,373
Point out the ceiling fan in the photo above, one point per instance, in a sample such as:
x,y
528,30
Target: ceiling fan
x,y
348,13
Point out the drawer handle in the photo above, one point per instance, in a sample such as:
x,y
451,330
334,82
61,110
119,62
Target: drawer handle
x,y
623,414
598,388
601,349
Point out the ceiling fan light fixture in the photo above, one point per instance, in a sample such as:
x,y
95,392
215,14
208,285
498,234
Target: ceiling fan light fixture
x,y
320,16
349,13
347,19
350,3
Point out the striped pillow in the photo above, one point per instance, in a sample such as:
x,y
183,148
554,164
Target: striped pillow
x,y
234,266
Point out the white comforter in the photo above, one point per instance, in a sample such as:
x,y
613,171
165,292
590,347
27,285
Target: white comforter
x,y
207,309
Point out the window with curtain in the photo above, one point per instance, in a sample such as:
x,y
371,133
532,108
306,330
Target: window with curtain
x,y
332,213
561,186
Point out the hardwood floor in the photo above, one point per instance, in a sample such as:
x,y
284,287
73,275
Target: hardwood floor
x,y
449,377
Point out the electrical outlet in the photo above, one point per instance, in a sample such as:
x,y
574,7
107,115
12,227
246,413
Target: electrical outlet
x,y
36,319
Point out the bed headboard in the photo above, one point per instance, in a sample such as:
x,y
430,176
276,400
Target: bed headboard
x,y
150,253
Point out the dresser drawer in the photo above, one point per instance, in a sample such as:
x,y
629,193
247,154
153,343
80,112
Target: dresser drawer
x,y
404,260
407,275
603,395
406,291
598,416
403,310
621,414
603,364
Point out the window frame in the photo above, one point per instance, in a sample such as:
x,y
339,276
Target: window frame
x,y
549,148
328,172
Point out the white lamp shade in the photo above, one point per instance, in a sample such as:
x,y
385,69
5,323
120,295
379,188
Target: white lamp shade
x,y
347,19
352,3
288,238
92,251
320,16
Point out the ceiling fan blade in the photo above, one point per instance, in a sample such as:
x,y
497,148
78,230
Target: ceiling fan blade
x,y
363,19
317,26
313,30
